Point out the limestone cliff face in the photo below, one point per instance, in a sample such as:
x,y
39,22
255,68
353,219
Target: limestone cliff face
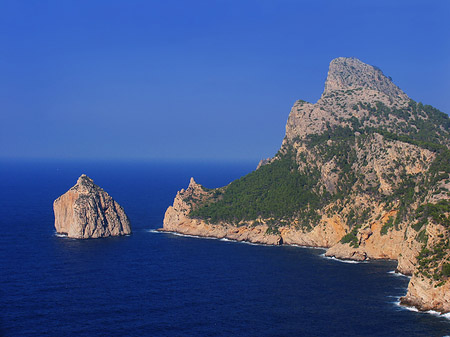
x,y
377,167
87,211
350,73
425,295
350,82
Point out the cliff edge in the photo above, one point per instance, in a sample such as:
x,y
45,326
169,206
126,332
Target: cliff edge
x,y
364,171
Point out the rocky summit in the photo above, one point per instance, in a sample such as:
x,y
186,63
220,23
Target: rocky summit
x,y
364,171
87,211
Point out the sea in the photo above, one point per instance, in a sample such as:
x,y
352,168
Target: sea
x,y
162,284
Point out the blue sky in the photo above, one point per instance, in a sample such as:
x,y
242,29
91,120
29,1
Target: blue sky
x,y
198,80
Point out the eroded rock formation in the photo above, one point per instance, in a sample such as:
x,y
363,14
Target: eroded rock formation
x,y
87,211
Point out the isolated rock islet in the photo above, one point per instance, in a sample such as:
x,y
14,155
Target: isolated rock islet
x,y
87,211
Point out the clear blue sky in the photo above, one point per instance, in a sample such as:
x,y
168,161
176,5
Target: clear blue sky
x,y
196,79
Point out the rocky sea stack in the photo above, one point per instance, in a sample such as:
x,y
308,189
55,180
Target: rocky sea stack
x,y
87,211
364,171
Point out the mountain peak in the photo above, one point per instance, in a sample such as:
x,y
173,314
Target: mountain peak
x,y
350,73
84,180
86,184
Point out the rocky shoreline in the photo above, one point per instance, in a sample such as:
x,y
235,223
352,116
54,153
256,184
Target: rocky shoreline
x,y
394,245
406,301
372,245
238,236
363,172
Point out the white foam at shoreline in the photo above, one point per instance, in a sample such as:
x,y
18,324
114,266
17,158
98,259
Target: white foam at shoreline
x,y
396,273
255,244
189,235
245,242
59,235
340,260
392,272
236,241
209,238
414,309
305,247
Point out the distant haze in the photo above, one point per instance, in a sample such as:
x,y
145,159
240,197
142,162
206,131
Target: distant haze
x,y
202,80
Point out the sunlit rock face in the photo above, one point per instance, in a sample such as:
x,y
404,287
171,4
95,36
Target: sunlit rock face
x,y
375,167
87,211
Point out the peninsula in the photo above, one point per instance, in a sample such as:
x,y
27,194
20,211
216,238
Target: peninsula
x,y
364,171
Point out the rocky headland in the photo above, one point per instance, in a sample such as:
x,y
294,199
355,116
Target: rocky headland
x,y
87,211
364,172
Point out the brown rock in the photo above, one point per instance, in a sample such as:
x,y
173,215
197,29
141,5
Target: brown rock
x,y
87,211
263,162
345,252
357,99
177,220
350,73
425,295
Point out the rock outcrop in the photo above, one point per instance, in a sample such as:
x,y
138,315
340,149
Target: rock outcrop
x,y
350,73
425,295
364,171
177,220
87,211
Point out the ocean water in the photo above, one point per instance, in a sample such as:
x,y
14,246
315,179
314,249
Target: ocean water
x,y
160,284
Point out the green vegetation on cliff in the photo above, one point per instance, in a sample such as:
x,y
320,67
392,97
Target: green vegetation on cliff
x,y
276,190
429,261
325,173
430,257
419,124
437,212
387,226
351,238
281,191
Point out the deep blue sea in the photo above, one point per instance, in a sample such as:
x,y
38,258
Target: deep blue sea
x,y
160,284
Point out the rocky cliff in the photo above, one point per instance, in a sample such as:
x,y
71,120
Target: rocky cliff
x,y
177,219
364,171
87,211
